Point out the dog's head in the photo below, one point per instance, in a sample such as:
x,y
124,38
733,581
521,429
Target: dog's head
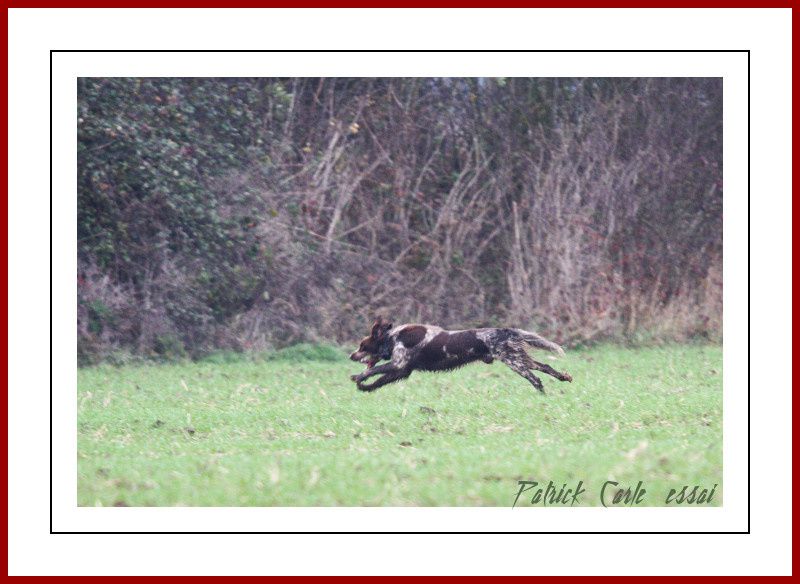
x,y
370,347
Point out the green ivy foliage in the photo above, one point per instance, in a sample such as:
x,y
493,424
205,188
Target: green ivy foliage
x,y
147,151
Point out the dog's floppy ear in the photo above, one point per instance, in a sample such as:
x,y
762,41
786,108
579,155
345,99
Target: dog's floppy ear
x,y
380,326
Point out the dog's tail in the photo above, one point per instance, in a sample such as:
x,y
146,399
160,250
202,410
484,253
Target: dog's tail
x,y
540,342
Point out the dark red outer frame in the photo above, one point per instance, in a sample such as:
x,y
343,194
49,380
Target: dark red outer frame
x,y
22,4
398,4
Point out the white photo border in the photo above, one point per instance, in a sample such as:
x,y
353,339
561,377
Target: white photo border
x,y
731,517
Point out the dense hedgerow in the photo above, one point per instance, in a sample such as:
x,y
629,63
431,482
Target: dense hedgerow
x,y
244,214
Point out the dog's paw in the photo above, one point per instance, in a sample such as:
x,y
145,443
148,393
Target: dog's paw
x,y
566,377
357,378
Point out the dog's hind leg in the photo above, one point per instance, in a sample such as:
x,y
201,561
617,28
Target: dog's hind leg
x,y
544,368
521,363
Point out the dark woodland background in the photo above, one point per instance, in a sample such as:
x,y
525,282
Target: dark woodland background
x,y
249,214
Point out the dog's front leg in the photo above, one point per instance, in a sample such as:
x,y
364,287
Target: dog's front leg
x,y
385,368
388,378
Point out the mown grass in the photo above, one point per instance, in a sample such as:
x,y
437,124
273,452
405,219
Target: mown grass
x,y
293,430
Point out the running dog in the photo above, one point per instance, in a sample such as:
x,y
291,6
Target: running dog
x,y
424,347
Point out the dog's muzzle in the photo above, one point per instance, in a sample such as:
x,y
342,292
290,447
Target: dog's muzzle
x,y
364,357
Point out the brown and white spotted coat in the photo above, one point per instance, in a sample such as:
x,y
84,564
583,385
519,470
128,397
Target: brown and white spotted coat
x,y
425,347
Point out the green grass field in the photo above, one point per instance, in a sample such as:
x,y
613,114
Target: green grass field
x,y
294,431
